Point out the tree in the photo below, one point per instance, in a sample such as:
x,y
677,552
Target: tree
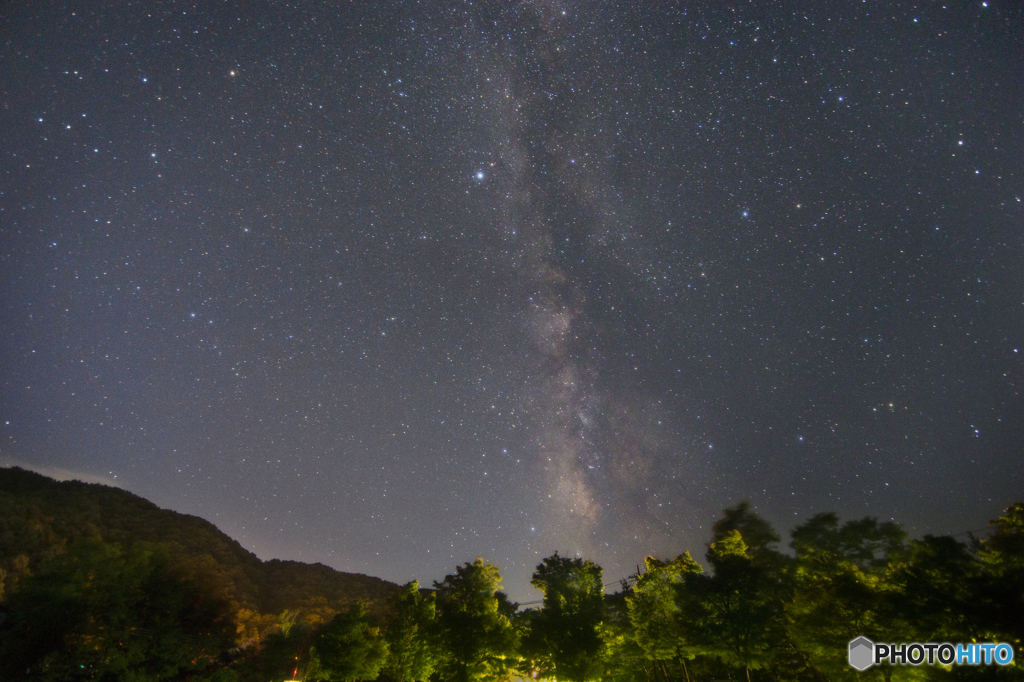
x,y
758,535
938,592
349,648
843,589
654,610
735,615
949,590
283,651
478,640
1002,564
100,611
625,660
412,653
564,636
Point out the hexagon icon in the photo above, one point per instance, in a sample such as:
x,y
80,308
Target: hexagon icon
x,y
862,653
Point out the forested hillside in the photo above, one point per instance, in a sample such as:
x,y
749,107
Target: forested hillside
x,y
40,517
100,584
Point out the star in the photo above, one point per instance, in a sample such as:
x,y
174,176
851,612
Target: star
x,y
501,199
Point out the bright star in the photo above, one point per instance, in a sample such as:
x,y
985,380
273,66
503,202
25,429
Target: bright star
x,y
479,175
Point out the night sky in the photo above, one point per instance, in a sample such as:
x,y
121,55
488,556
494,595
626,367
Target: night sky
x,y
390,286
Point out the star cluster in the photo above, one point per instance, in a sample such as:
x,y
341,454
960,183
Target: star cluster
x,y
392,289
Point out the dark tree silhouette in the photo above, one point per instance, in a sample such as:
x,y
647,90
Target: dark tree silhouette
x,y
98,611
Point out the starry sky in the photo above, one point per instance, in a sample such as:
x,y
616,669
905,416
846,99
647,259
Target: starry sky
x,y
390,286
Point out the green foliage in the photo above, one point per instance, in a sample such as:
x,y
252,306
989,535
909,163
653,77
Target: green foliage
x,y
654,608
625,660
564,638
1001,584
283,653
412,651
39,517
97,583
842,588
318,592
822,545
757,533
938,584
477,640
99,611
736,614
1004,550
349,648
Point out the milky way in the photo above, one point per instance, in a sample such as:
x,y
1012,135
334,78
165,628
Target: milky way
x,y
394,288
